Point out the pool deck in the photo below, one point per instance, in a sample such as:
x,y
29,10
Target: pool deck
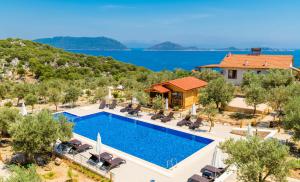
x,y
138,170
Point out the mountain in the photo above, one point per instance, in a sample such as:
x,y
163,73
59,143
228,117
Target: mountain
x,y
170,46
83,43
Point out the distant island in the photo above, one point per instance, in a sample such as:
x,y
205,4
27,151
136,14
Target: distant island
x,y
170,46
83,43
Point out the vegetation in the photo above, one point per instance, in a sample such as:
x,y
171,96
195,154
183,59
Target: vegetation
x,y
158,103
71,95
292,117
31,100
23,174
210,111
28,134
8,116
258,160
255,95
217,91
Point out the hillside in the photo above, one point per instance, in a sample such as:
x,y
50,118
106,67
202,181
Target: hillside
x,y
45,62
170,46
83,43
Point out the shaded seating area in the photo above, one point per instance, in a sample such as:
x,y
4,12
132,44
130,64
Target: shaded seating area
x,y
185,122
167,118
196,124
127,108
99,159
102,104
158,115
111,164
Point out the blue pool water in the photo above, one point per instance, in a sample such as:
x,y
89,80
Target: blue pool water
x,y
152,143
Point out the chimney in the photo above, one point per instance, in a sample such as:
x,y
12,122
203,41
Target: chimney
x,y
229,54
255,51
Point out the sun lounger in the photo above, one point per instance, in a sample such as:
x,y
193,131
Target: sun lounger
x,y
116,162
196,124
167,118
211,172
158,115
135,111
127,108
198,178
80,148
185,122
102,104
113,104
103,157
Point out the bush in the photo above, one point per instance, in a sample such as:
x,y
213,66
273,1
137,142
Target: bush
x,y
49,176
8,104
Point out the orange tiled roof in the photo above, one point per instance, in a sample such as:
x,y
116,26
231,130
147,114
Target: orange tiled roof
x,y
255,62
187,83
160,89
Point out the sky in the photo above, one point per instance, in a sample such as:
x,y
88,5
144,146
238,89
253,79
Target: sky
x,y
202,23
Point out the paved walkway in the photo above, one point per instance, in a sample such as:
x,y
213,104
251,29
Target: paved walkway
x,y
4,173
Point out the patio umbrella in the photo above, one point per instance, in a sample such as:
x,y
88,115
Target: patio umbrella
x,y
249,130
23,110
134,100
194,110
98,144
109,93
167,104
217,158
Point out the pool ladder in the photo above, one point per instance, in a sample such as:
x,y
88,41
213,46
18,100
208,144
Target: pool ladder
x,y
172,162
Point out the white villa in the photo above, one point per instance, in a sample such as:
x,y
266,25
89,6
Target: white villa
x,y
233,66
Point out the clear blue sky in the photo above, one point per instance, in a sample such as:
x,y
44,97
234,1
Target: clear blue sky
x,y
205,23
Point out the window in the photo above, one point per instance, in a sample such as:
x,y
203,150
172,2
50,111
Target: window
x,y
258,72
232,74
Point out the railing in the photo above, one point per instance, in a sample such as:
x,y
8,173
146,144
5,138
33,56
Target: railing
x,y
83,161
172,162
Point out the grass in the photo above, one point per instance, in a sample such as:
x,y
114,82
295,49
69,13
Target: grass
x,y
86,172
50,175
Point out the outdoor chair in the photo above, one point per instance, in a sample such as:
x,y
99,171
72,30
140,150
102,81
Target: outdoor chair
x,y
135,111
196,124
185,122
167,118
102,104
79,149
116,162
198,178
127,108
113,104
158,115
212,172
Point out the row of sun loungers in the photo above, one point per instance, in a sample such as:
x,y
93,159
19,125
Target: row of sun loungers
x,y
104,161
209,173
130,110
160,115
103,104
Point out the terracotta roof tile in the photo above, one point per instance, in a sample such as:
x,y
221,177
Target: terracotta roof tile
x,y
257,61
160,89
188,83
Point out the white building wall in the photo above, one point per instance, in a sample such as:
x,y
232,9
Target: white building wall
x,y
240,72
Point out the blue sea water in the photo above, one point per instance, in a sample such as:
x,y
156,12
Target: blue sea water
x,y
152,143
169,60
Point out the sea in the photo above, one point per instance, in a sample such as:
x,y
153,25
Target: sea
x,y
170,60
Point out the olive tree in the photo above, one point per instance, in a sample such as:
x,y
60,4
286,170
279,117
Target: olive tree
x,y
217,91
210,111
55,96
31,100
255,95
71,95
24,174
257,160
35,134
158,103
100,94
8,116
292,117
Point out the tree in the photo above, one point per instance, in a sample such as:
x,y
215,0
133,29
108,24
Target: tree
x,y
292,117
35,134
71,95
207,74
22,174
217,91
257,160
8,116
277,98
276,78
210,111
55,96
100,94
254,95
31,100
21,90
142,97
158,103
250,78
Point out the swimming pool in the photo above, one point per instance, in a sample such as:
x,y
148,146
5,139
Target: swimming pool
x,y
159,145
